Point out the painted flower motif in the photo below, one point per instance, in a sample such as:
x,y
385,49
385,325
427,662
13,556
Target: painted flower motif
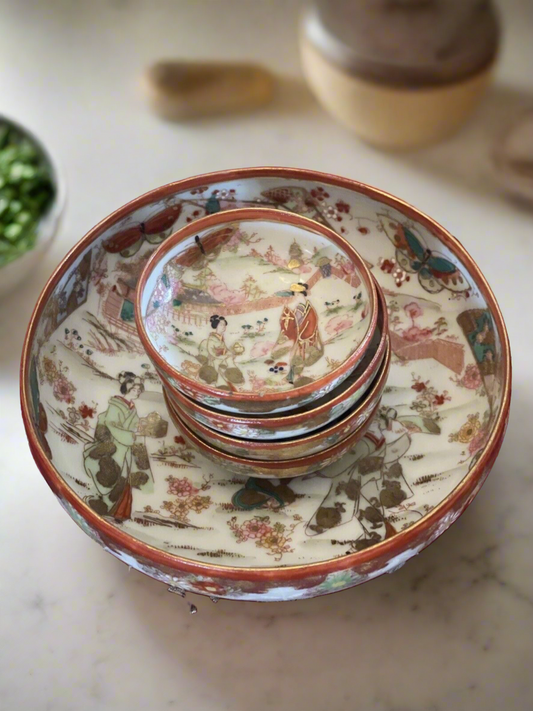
x,y
477,442
342,206
273,538
261,349
333,214
275,541
337,581
319,194
338,324
199,503
390,266
64,390
179,509
419,386
254,529
468,431
85,411
49,370
413,310
73,415
471,378
181,487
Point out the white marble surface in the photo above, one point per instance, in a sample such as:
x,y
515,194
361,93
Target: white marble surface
x,y
453,630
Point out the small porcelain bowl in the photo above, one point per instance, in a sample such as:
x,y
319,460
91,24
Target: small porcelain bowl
x,y
256,310
304,420
265,468
307,445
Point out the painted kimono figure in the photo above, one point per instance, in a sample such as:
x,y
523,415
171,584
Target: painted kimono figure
x,y
115,461
373,486
299,337
217,359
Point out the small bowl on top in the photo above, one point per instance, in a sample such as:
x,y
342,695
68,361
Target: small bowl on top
x,y
255,310
289,449
303,420
266,468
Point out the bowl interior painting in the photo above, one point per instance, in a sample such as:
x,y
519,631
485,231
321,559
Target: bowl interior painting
x,y
246,308
100,432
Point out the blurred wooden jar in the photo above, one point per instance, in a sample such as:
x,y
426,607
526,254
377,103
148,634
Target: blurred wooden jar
x,y
400,73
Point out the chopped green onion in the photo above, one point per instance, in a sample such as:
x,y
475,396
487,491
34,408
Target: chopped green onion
x,y
26,192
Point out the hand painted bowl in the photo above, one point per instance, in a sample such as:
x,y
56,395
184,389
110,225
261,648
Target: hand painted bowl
x,y
304,420
288,449
177,517
269,468
241,310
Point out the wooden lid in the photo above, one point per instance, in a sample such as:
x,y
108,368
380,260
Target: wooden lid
x,y
405,42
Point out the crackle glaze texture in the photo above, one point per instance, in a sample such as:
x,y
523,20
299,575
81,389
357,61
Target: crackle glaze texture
x,y
99,417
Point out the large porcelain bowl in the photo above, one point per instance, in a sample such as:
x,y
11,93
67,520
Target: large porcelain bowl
x,y
100,434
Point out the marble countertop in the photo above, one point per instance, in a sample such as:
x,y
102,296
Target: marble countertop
x,y
450,631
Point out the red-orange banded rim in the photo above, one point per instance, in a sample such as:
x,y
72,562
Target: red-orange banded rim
x,y
285,397
311,411
272,465
374,391
377,555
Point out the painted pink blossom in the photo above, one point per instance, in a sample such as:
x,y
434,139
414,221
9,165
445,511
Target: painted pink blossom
x,y
414,334
63,390
261,349
472,377
181,487
254,529
477,442
413,310
338,324
224,294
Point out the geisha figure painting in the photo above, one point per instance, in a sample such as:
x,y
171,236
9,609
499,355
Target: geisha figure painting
x,y
115,461
299,338
217,359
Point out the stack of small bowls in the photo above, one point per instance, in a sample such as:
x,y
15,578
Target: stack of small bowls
x,y
270,336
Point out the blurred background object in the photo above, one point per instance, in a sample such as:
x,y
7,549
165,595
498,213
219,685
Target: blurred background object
x,y
400,73
513,158
181,90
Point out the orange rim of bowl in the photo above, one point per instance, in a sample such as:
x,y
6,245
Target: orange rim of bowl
x,y
374,392
273,465
381,552
271,215
287,419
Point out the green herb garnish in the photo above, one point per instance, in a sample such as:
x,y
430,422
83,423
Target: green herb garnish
x,y
26,192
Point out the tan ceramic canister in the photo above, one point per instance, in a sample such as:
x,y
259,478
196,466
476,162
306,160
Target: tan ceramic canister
x,y
400,73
